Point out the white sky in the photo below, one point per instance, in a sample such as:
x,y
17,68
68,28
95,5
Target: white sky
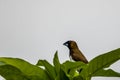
x,y
35,29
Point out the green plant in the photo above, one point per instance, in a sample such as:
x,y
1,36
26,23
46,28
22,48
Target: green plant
x,y
18,69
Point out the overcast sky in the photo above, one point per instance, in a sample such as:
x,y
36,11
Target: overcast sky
x,y
35,29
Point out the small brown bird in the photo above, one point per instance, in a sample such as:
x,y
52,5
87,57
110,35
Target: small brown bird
x,y
75,53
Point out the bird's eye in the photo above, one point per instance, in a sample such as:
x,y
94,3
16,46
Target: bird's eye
x,y
66,44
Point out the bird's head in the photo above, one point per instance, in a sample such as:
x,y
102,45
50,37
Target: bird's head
x,y
71,44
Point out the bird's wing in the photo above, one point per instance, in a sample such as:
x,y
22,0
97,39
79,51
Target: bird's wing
x,y
79,57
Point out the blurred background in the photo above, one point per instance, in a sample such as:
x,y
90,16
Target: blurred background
x,y
36,29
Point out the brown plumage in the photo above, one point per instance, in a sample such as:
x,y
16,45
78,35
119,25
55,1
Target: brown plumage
x,y
75,53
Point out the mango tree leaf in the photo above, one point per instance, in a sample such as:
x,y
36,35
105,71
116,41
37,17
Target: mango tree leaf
x,y
106,73
56,63
12,73
70,68
100,62
16,65
78,77
60,74
40,63
57,66
49,68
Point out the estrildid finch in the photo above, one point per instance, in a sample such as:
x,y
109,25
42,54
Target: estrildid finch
x,y
74,51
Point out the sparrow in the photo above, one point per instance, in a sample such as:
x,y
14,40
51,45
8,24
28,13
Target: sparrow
x,y
74,51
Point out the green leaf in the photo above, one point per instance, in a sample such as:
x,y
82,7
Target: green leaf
x,y
78,78
60,74
12,73
70,68
21,67
100,62
106,73
49,68
56,63
40,63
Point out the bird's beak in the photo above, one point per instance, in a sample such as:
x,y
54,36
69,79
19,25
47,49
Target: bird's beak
x,y
66,44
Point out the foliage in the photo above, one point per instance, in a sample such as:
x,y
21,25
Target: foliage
x,y
18,69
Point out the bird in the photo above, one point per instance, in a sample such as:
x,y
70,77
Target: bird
x,y
74,51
